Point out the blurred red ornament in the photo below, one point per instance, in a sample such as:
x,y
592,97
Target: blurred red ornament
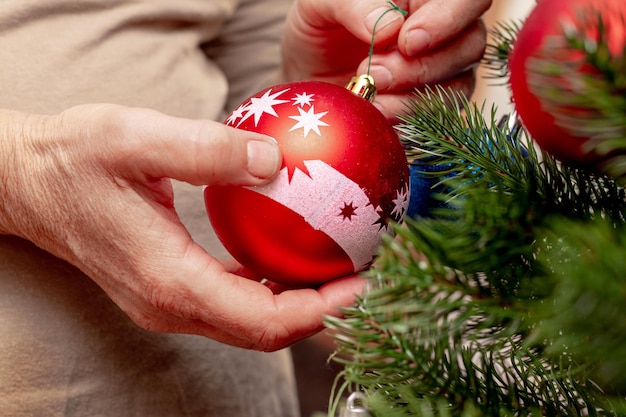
x,y
543,38
344,178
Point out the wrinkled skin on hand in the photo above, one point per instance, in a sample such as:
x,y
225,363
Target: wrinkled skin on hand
x,y
91,186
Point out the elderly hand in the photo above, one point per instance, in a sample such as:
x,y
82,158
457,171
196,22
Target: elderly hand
x,y
437,42
91,186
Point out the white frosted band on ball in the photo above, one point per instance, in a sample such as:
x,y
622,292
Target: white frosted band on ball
x,y
321,197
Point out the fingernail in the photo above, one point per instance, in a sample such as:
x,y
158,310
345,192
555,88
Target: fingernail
x,y
263,158
380,18
382,77
417,40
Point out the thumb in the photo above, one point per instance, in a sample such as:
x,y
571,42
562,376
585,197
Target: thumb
x,y
199,152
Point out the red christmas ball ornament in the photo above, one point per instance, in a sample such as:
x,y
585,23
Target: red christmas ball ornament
x,y
543,38
344,178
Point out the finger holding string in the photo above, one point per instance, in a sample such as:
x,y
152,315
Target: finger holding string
x,y
326,40
452,63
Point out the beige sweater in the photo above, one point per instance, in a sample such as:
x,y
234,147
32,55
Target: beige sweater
x,y
65,349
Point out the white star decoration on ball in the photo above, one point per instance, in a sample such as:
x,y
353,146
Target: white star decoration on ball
x,y
309,120
303,99
261,105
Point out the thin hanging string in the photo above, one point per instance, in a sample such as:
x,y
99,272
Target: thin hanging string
x,y
392,8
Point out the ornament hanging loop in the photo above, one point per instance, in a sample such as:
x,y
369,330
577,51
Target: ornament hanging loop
x,y
363,86
356,406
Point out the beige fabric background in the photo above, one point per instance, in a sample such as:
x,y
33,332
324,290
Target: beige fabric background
x,y
65,349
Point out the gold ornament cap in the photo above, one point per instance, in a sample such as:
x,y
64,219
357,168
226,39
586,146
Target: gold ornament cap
x,y
363,86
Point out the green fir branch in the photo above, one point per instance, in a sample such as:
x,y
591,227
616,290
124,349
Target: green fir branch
x,y
444,129
584,316
499,45
449,324
425,337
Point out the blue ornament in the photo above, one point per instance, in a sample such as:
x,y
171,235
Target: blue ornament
x,y
425,179
423,184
